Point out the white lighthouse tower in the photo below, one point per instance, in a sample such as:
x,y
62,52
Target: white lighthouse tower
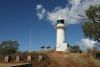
x,y
61,45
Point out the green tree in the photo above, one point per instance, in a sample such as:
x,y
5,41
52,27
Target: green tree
x,y
91,28
8,47
48,47
42,47
75,49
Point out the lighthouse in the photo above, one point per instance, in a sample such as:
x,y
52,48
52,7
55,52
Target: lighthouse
x,y
61,44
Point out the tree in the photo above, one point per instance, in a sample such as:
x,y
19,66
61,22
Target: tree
x,y
91,28
8,47
48,47
42,47
75,49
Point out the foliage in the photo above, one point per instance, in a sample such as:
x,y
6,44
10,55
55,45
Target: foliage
x,y
75,49
8,47
74,60
55,59
48,47
91,28
42,47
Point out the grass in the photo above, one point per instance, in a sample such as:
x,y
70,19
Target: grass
x,y
55,59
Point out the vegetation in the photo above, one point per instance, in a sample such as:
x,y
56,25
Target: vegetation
x,y
8,47
91,27
42,47
74,58
75,49
48,47
58,59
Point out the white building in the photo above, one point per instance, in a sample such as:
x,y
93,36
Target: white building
x,y
61,45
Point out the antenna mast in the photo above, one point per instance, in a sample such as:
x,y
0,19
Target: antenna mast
x,y
30,42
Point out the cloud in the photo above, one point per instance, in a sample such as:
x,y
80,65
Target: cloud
x,y
87,43
58,11
40,11
70,12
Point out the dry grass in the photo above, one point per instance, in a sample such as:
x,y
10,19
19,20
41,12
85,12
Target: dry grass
x,y
55,59
73,60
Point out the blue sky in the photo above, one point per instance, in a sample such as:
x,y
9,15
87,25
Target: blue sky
x,y
18,16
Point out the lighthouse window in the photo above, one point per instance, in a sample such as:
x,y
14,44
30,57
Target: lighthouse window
x,y
60,21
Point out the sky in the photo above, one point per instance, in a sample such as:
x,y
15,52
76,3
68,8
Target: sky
x,y
18,17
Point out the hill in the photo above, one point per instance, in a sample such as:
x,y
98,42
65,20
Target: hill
x,y
56,59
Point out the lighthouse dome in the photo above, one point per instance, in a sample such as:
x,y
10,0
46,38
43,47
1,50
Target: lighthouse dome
x,y
60,18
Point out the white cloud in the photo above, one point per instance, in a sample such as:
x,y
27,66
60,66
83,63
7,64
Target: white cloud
x,y
77,7
39,6
87,43
40,11
53,16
